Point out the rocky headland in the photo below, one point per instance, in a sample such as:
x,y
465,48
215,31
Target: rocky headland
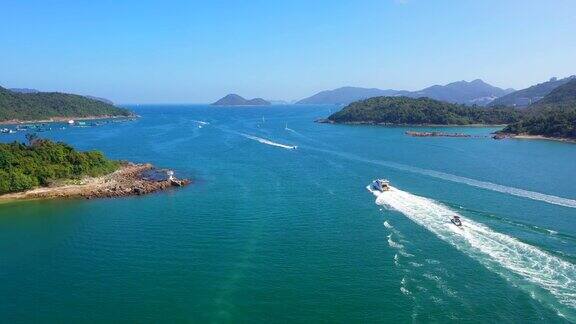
x,y
129,180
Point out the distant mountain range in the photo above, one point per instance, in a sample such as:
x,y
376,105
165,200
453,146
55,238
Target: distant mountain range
x,y
469,93
526,97
475,92
346,95
236,100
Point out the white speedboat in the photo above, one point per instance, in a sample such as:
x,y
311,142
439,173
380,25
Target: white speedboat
x,y
456,221
380,185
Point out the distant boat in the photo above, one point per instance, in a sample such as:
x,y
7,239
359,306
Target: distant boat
x,y
7,131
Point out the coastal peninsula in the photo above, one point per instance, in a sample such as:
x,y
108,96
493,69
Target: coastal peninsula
x,y
27,107
43,169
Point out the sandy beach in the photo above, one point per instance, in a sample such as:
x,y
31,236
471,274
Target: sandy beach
x,y
540,137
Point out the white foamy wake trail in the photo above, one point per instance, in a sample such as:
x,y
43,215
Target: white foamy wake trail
x,y
387,225
500,188
269,142
544,276
201,122
555,200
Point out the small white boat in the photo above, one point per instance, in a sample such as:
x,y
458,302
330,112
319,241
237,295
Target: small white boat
x,y
456,221
381,185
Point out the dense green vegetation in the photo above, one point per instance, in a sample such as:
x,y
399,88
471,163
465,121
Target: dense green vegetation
x,y
553,116
45,105
421,111
549,123
41,162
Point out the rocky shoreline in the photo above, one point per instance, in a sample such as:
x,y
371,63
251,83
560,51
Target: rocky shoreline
x,y
435,134
129,180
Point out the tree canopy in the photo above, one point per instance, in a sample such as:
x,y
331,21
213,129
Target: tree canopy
x,y
41,162
421,111
45,105
553,116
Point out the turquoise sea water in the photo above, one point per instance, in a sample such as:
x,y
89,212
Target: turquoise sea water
x,y
270,234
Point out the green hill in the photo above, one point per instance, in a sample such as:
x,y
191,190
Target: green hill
x,y
420,111
531,95
553,116
46,105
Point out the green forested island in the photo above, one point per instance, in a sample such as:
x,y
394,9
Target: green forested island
x,y
553,116
421,111
41,162
16,106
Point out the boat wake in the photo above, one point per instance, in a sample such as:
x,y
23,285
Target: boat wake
x,y
555,200
500,188
546,277
269,142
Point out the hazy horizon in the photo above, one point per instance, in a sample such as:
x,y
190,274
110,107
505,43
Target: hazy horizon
x,y
133,52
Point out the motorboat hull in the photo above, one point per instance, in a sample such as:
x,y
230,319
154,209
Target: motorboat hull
x,y
456,222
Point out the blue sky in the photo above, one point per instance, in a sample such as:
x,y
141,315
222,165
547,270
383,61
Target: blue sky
x,y
136,51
